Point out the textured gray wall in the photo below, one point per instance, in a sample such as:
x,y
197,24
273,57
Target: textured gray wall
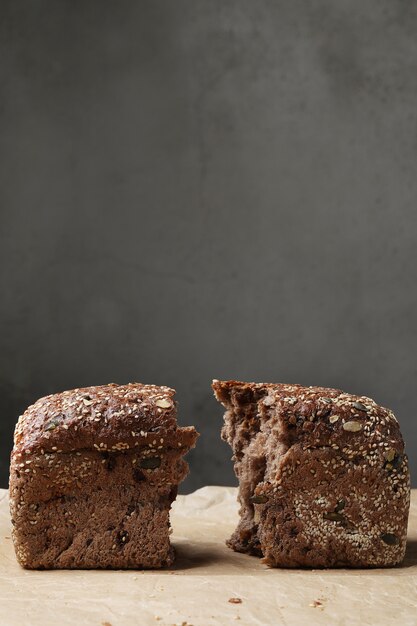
x,y
208,189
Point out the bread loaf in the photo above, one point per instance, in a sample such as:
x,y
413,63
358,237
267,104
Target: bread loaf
x,y
93,474
323,478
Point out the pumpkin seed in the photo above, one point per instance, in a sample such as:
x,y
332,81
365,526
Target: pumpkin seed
x,y
163,403
389,455
151,462
258,499
393,462
360,406
352,426
390,539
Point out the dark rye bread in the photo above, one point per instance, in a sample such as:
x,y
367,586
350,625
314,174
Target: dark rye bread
x,y
92,477
323,478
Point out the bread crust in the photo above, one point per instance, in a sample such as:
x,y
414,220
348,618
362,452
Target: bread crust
x,y
108,417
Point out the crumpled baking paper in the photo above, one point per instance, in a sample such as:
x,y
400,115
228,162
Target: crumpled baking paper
x,y
209,585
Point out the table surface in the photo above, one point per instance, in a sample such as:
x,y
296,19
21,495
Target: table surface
x,y
206,576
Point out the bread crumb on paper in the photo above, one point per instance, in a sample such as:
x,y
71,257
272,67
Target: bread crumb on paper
x,y
318,604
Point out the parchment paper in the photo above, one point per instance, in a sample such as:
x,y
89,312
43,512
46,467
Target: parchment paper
x,y
207,574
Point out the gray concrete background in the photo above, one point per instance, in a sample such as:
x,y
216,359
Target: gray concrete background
x,y
192,190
